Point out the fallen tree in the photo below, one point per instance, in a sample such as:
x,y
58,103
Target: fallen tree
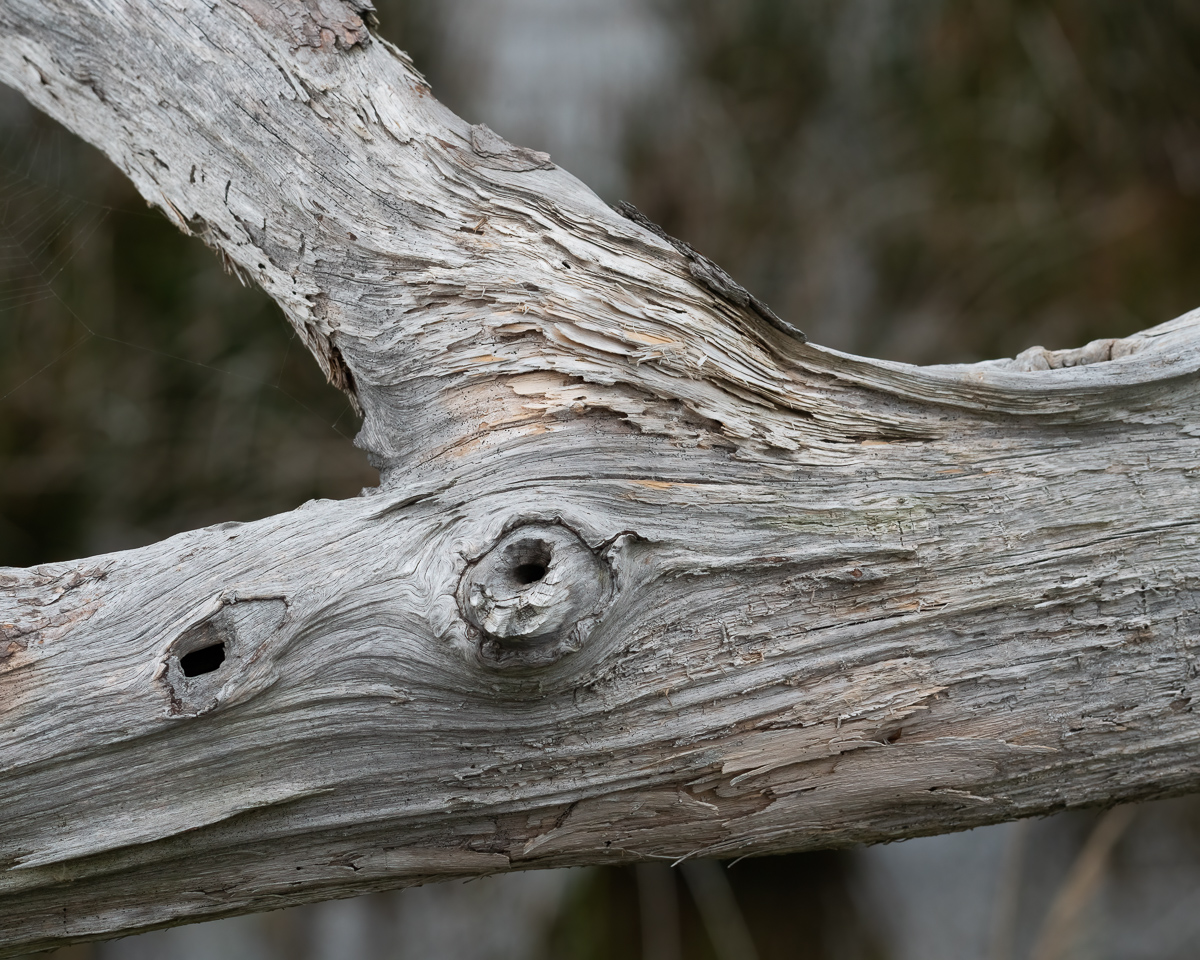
x,y
647,575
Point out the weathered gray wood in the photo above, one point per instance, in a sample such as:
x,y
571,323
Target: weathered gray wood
x,y
647,576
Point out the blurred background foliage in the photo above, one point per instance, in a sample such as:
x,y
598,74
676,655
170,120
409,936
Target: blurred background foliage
x,y
142,391
922,180
938,181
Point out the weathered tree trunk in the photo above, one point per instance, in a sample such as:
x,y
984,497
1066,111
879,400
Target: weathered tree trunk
x,y
647,575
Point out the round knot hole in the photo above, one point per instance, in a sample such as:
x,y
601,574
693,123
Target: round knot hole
x,y
534,596
530,572
530,560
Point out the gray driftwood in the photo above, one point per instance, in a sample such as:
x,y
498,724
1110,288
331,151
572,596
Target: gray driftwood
x,y
647,575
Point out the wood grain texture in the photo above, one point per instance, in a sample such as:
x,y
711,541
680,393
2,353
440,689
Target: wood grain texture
x,y
647,574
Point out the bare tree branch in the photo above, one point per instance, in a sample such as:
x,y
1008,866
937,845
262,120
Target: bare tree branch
x,y
647,576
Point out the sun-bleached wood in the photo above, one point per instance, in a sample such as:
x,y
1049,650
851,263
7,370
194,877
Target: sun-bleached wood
x,y
647,575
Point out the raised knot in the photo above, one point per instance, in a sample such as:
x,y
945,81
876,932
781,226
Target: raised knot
x,y
534,596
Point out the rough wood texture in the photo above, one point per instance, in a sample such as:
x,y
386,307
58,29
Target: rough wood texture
x,y
647,576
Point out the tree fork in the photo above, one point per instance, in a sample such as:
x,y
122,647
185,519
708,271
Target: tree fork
x,y
647,575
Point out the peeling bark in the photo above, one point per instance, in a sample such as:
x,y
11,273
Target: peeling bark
x,y
647,575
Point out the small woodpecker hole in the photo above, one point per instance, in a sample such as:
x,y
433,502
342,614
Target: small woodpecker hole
x,y
204,660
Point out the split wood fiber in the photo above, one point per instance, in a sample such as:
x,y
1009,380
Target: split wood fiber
x,y
647,574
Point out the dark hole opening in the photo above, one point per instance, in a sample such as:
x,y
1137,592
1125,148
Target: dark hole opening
x,y
529,572
204,660
530,561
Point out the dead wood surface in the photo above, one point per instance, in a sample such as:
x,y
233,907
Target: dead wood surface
x,y
647,575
